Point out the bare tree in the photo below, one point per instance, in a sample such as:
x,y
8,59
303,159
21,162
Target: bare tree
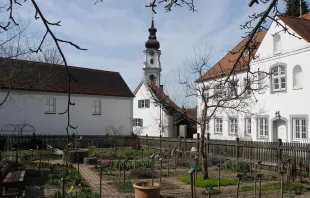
x,y
49,56
138,131
216,95
15,43
112,130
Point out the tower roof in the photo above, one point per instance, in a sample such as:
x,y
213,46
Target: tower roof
x,y
152,43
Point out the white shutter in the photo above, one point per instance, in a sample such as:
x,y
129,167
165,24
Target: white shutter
x,y
47,102
94,106
53,105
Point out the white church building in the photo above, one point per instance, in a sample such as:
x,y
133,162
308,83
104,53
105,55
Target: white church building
x,y
154,113
37,94
283,96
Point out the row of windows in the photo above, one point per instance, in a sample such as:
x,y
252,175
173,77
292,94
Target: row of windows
x,y
278,82
299,127
279,78
50,106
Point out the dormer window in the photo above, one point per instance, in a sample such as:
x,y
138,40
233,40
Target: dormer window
x,y
277,44
152,61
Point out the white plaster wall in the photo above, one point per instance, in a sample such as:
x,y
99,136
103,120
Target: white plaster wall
x,y
295,51
30,107
151,116
226,113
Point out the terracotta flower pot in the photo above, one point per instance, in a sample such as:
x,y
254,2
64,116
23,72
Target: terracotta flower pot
x,y
146,190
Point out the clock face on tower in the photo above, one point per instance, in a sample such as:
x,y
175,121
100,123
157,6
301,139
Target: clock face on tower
x,y
151,53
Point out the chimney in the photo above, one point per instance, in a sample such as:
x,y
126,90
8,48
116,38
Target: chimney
x,y
162,88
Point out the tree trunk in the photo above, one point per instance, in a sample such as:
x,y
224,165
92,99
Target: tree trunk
x,y
202,150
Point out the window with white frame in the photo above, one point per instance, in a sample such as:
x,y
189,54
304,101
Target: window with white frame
x,y
50,105
233,88
218,125
138,122
299,128
143,103
218,90
247,86
297,77
233,126
248,128
278,82
262,127
277,45
97,107
207,92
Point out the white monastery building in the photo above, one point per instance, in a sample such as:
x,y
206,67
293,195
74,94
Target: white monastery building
x,y
154,112
282,109
38,94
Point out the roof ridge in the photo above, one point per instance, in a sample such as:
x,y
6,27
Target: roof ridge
x,y
229,53
301,18
58,65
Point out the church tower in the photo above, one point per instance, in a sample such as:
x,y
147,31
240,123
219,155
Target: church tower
x,y
152,66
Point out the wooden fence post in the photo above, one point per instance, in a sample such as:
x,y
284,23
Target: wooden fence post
x,y
279,153
146,140
237,148
179,142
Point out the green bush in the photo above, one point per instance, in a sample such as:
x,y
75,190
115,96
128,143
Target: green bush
x,y
239,167
132,164
211,182
81,193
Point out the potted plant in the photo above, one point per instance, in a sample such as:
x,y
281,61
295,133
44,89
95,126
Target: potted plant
x,y
147,190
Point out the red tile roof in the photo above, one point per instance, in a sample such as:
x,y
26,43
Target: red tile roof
x,y
300,25
306,16
192,113
227,62
37,76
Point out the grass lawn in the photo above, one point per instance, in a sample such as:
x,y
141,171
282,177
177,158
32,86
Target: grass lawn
x,y
212,181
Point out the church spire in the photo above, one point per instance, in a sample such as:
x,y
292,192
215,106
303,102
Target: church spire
x,y
152,43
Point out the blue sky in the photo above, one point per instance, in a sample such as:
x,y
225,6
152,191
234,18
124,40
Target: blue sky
x,y
114,32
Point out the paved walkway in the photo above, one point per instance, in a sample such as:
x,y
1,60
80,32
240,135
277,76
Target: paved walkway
x,y
93,180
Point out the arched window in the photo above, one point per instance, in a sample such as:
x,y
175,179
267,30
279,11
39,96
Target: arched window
x,y
50,105
277,45
297,77
152,78
278,77
152,61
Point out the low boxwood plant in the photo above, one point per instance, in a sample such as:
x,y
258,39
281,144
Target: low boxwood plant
x,y
132,164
